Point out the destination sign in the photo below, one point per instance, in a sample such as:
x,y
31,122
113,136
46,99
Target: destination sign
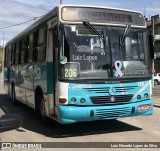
x,y
101,15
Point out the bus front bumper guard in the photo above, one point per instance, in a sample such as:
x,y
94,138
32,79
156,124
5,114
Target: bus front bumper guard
x,y
72,114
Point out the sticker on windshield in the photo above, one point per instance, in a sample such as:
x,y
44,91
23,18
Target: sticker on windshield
x,y
63,60
118,66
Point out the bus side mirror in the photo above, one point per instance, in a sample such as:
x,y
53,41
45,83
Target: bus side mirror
x,y
10,121
151,46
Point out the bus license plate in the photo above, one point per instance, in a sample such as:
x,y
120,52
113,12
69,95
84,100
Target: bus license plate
x,y
144,107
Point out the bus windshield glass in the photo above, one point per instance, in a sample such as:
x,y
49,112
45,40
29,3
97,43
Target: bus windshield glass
x,y
87,56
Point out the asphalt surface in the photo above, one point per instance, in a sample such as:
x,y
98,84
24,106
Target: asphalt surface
x,y
133,129
156,96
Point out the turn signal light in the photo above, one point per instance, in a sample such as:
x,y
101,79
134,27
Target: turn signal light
x,y
62,100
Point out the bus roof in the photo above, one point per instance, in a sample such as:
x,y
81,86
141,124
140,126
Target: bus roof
x,y
53,13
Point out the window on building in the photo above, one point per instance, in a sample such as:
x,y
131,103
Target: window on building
x,y
158,30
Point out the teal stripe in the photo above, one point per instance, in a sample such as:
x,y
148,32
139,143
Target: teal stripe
x,y
50,77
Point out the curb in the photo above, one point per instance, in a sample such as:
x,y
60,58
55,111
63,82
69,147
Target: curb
x,y
157,105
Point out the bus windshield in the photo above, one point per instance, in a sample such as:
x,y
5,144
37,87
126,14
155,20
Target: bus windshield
x,y
117,55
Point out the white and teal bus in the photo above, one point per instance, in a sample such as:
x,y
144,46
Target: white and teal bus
x,y
64,67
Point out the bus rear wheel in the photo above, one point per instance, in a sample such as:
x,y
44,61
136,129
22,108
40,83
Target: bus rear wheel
x,y
14,100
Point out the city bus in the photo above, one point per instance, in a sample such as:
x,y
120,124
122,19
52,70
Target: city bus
x,y
62,65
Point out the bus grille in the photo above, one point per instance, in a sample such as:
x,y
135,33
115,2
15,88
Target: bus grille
x,y
106,89
112,113
107,99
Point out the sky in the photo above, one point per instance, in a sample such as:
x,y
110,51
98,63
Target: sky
x,y
17,11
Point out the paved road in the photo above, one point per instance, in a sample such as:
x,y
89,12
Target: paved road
x,y
156,90
135,129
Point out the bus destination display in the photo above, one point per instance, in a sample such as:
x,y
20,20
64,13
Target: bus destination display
x,y
103,16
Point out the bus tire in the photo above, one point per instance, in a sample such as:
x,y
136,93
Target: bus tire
x,y
14,100
40,105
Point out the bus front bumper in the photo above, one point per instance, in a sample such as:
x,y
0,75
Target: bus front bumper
x,y
72,114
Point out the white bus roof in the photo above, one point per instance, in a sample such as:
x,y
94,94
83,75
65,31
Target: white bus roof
x,y
53,13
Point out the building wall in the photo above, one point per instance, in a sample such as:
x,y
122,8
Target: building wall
x,y
157,65
156,44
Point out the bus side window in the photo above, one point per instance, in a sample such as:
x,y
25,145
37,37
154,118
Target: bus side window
x,y
6,57
41,44
13,53
30,49
22,51
19,52
26,49
9,57
16,53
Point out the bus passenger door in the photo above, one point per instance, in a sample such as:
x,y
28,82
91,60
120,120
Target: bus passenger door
x,y
55,65
51,72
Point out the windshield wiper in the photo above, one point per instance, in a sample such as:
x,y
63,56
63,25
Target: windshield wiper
x,y
124,34
88,25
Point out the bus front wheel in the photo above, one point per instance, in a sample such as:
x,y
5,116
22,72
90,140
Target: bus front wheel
x,y
40,105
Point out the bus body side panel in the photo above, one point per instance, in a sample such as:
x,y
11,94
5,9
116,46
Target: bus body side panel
x,y
28,82
40,76
18,81
50,71
50,87
105,101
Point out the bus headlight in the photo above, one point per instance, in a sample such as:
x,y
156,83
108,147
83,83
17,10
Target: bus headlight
x,y
73,99
138,97
82,100
146,95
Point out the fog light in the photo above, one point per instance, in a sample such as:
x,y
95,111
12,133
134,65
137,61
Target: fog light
x,y
73,99
138,97
133,109
145,95
91,113
82,100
